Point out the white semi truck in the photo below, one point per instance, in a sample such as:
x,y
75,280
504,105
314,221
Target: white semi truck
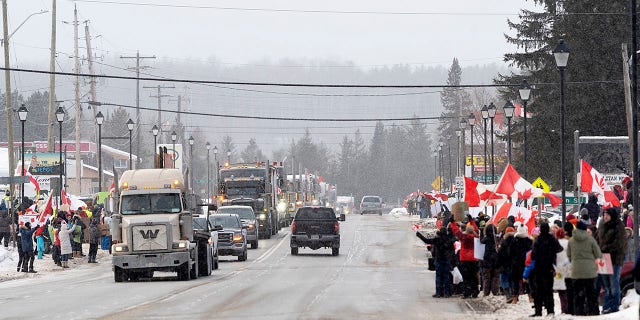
x,y
153,228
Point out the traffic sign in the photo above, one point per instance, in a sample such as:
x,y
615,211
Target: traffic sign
x,y
539,183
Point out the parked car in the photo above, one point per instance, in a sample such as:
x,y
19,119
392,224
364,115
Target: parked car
x,y
371,204
232,239
248,219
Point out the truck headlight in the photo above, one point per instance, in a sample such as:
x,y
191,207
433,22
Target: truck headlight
x,y
121,247
237,237
263,216
182,244
251,226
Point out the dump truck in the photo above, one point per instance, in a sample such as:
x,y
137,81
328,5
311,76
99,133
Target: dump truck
x,y
152,225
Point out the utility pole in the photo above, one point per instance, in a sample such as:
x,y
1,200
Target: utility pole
x,y
52,82
77,98
160,96
137,68
7,80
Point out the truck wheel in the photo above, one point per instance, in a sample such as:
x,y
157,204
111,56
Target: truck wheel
x,y
193,273
335,251
119,275
268,234
215,262
134,276
183,272
254,244
205,263
243,256
380,213
294,251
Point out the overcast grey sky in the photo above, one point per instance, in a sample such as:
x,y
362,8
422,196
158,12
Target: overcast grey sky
x,y
470,30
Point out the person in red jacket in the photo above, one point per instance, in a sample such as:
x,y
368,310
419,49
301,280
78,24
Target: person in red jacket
x,y
468,264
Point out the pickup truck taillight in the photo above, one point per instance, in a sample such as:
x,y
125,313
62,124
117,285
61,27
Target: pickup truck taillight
x,y
336,227
293,227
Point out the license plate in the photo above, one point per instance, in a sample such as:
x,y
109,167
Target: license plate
x,y
315,237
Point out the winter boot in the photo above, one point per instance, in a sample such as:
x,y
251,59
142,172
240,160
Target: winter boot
x,y
508,295
32,271
65,264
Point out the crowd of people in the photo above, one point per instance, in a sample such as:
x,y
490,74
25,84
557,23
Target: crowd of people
x,y
553,257
60,235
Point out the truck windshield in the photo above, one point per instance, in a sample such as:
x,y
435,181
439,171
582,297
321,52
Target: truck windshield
x,y
242,173
243,213
242,191
315,213
151,203
227,221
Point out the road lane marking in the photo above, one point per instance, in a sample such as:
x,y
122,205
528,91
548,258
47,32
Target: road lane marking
x,y
273,249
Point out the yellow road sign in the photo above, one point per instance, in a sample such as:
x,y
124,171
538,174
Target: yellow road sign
x,y
539,183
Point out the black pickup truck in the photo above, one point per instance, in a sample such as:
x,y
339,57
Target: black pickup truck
x,y
315,228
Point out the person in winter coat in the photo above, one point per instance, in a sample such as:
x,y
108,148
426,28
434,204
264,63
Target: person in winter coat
x,y
582,252
518,251
504,262
5,228
77,237
26,238
468,263
94,240
443,254
55,250
563,272
544,252
612,239
40,240
64,235
593,208
490,274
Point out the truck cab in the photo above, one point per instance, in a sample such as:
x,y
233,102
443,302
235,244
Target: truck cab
x,y
153,228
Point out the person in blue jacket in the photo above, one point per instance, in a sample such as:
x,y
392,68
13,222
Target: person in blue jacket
x,y
26,239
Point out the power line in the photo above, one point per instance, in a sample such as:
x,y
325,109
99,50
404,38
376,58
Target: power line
x,y
306,85
368,12
357,12
275,118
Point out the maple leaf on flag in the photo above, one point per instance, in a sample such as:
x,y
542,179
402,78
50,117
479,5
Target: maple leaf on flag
x,y
524,195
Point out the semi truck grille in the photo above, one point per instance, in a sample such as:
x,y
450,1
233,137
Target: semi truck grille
x,y
149,238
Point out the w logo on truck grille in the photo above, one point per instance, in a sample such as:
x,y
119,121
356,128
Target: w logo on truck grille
x,y
148,234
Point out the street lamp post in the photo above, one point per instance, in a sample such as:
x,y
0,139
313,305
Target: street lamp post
x,y
525,92
60,117
492,114
215,159
155,132
472,122
440,168
208,146
174,137
229,156
463,127
485,115
192,163
99,122
508,110
561,55
22,114
130,125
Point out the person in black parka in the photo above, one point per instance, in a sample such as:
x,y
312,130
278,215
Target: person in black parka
x,y
544,251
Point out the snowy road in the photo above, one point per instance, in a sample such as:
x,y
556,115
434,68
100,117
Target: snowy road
x,y
379,274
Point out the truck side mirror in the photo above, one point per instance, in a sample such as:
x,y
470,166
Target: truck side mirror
x,y
342,217
212,207
217,227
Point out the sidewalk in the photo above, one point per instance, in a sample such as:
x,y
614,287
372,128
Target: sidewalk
x,y
9,262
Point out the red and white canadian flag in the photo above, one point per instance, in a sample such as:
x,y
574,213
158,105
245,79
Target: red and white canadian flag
x,y
479,195
522,214
592,181
112,188
515,187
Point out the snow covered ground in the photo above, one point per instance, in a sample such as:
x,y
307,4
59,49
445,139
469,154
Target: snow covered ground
x,y
9,262
522,310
